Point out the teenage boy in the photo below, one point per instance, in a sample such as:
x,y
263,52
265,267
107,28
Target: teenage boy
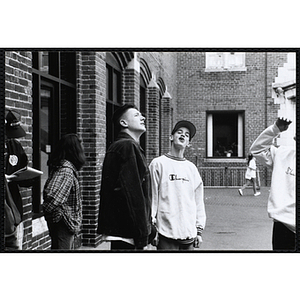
x,y
177,195
281,203
125,196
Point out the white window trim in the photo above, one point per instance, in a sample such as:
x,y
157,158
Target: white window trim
x,y
210,137
224,62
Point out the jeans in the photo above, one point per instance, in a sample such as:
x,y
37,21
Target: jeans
x,y
15,240
170,244
61,236
120,245
11,242
283,238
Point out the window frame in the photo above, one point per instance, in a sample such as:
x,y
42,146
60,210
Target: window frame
x,y
50,77
224,60
113,95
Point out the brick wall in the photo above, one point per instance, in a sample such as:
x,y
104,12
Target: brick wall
x,y
18,92
249,91
91,84
163,65
153,121
131,87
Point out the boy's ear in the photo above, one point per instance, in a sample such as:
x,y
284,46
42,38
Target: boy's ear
x,y
123,123
171,138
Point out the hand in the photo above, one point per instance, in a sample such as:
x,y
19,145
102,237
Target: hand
x,y
283,123
10,178
197,242
155,241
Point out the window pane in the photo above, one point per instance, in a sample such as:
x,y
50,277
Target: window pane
x,y
225,61
115,87
43,61
225,134
45,117
68,66
68,110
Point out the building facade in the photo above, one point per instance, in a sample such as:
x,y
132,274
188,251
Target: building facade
x,y
228,96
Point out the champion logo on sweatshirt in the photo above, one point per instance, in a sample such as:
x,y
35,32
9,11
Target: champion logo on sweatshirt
x,y
290,171
173,177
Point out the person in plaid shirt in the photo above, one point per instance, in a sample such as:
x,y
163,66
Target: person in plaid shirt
x,y
62,193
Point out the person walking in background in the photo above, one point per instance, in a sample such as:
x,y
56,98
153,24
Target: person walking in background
x,y
62,192
250,176
125,196
177,195
281,203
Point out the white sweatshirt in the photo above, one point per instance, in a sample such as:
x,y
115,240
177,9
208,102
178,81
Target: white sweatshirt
x,y
177,197
281,203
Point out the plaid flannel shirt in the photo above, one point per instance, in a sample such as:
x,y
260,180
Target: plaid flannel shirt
x,y
62,197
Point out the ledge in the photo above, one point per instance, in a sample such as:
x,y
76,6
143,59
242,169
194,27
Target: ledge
x,y
227,70
225,160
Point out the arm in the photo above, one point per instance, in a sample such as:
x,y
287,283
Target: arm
x,y
57,190
132,177
201,215
263,148
155,177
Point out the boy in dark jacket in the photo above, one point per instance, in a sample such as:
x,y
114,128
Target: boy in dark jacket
x,y
125,199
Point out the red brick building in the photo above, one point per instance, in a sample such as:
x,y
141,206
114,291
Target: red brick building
x,y
228,96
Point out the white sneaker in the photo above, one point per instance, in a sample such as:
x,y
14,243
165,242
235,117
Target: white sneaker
x,y
257,194
241,192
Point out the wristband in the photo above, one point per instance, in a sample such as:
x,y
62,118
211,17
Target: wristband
x,y
199,230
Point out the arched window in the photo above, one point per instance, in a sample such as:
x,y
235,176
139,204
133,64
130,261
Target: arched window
x,y
145,78
113,95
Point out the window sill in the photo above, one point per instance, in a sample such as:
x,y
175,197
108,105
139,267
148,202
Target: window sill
x,y
225,159
242,69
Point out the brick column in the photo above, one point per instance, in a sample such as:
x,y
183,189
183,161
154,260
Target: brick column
x,y
152,120
92,128
166,122
131,83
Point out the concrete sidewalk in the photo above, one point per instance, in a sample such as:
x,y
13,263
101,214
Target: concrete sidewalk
x,y
237,222
234,222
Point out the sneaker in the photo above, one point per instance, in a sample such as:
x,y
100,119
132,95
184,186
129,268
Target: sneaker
x,y
241,192
257,194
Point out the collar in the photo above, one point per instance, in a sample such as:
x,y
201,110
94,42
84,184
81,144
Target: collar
x,y
124,135
67,164
175,157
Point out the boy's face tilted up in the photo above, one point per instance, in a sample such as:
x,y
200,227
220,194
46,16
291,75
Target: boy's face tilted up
x,y
181,138
133,120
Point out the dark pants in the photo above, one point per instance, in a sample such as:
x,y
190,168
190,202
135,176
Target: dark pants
x,y
171,244
120,245
11,242
283,238
61,236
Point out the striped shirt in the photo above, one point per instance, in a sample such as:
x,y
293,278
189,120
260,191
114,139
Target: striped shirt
x,y
62,197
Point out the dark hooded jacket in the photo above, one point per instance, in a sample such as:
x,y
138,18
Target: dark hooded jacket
x,y
125,196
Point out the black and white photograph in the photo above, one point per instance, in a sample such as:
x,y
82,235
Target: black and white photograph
x,y
150,150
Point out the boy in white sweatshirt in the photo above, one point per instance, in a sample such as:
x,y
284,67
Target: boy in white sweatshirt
x,y
177,195
281,202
